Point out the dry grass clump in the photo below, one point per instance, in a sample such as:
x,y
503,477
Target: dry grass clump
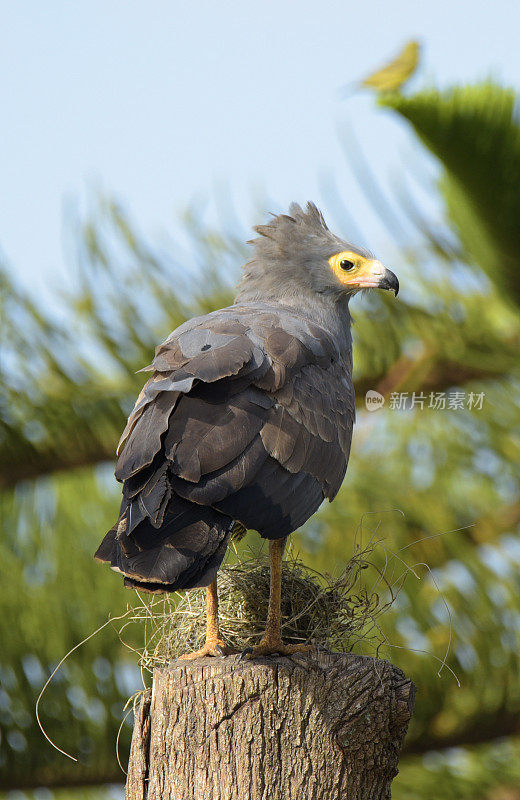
x,y
333,613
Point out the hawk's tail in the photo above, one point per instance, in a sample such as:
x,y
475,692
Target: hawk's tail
x,y
184,552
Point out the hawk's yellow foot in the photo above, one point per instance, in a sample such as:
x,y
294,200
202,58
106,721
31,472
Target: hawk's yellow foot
x,y
275,646
211,648
214,645
271,642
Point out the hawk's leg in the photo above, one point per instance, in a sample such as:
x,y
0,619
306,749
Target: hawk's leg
x,y
214,646
271,641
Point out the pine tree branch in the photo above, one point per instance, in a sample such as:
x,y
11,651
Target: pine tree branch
x,y
476,730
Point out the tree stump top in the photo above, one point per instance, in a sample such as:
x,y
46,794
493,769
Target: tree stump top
x,y
326,726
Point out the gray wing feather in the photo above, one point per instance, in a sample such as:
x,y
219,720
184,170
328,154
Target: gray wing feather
x,y
204,437
247,399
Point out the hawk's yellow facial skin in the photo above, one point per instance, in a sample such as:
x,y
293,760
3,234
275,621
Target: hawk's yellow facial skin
x,y
355,271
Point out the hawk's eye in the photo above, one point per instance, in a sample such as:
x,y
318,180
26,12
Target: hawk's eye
x,y
346,264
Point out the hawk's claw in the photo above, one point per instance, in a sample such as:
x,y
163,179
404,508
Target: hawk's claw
x,y
272,647
211,648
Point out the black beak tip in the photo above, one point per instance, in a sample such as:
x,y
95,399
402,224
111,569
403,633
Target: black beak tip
x,y
390,281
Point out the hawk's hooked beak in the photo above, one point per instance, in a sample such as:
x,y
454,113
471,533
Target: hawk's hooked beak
x,y
389,281
378,277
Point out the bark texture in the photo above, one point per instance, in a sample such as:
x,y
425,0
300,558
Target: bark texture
x,y
323,727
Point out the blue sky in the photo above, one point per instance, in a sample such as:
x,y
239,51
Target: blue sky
x,y
165,103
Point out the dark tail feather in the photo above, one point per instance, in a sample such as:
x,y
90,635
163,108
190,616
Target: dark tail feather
x,y
185,552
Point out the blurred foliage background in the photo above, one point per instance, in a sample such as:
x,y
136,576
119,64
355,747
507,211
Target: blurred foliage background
x,y
439,486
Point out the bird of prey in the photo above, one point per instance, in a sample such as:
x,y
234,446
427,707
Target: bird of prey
x,y
246,420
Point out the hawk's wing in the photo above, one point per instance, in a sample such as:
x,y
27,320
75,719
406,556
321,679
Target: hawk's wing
x,y
249,410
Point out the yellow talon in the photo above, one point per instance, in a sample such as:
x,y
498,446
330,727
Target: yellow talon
x,y
267,647
215,648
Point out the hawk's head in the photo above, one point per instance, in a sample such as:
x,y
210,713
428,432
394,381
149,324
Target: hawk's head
x,y
296,252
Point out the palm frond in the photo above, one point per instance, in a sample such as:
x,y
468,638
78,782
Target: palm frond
x,y
475,132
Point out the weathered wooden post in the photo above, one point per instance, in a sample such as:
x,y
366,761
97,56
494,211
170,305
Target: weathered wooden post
x,y
319,727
